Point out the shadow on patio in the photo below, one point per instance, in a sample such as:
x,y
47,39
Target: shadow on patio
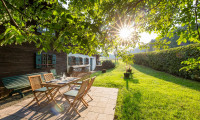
x,y
101,107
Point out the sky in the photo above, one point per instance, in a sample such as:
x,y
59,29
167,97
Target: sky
x,y
146,37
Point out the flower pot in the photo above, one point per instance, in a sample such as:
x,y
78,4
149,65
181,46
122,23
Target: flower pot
x,y
104,71
129,70
126,75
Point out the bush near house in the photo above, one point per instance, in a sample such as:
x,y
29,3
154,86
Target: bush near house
x,y
170,60
108,64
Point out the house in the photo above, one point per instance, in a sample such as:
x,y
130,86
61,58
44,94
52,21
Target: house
x,y
24,59
80,62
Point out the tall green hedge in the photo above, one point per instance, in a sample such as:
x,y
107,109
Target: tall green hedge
x,y
170,60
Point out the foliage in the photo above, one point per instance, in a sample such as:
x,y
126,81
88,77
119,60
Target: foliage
x,y
127,57
87,26
152,94
49,26
173,40
192,64
170,60
89,22
108,64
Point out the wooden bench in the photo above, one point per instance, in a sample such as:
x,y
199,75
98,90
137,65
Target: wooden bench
x,y
17,83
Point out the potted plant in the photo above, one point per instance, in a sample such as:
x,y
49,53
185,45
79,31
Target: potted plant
x,y
126,75
103,70
129,69
128,59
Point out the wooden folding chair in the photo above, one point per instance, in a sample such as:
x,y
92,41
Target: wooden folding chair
x,y
88,87
77,96
55,73
75,74
48,77
35,82
86,76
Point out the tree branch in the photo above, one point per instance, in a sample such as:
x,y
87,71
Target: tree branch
x,y
134,6
155,6
17,9
196,18
9,14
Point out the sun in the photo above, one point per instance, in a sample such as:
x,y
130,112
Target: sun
x,y
125,32
123,29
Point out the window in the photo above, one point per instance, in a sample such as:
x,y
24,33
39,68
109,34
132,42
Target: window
x,y
81,60
45,60
75,60
72,60
86,61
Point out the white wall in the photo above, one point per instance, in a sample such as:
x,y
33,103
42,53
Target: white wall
x,y
83,56
93,63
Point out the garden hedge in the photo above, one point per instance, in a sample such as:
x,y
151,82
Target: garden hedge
x,y
170,60
108,64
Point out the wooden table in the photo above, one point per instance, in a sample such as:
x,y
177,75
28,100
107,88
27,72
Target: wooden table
x,y
56,84
60,83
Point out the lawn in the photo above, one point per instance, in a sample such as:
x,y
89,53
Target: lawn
x,y
152,94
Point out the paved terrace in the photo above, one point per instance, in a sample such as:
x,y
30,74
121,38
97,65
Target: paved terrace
x,y
102,107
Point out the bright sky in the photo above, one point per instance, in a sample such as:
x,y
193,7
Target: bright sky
x,y
146,37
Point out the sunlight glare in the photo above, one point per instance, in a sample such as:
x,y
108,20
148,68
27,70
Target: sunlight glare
x,y
125,32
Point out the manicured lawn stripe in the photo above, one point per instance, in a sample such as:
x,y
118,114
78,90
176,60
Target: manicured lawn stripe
x,y
152,94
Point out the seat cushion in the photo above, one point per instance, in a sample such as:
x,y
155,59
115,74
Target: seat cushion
x,y
77,87
71,93
43,89
80,82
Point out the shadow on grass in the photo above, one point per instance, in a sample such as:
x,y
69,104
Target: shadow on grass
x,y
99,73
133,80
130,108
168,77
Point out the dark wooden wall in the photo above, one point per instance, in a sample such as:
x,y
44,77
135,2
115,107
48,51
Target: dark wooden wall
x,y
20,59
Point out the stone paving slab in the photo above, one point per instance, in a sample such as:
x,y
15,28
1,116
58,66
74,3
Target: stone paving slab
x,y
102,107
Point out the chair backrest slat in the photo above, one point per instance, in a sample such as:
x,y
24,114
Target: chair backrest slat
x,y
35,81
86,76
49,77
83,88
90,83
53,71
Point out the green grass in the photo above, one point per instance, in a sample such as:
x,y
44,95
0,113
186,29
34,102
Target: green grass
x,y
152,94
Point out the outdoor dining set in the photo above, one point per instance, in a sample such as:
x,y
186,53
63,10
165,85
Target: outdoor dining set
x,y
49,89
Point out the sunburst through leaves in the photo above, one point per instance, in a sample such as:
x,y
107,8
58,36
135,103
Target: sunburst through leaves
x,y
125,30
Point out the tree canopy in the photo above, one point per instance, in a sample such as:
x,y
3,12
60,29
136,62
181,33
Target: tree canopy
x,y
86,26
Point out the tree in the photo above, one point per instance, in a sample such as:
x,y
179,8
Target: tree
x,y
65,30
173,40
85,26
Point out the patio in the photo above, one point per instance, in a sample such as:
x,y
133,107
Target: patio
x,y
102,107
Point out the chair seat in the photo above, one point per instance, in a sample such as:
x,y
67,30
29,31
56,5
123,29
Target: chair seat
x,y
43,89
77,87
71,93
80,82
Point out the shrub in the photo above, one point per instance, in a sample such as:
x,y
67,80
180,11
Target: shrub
x,y
170,60
108,64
